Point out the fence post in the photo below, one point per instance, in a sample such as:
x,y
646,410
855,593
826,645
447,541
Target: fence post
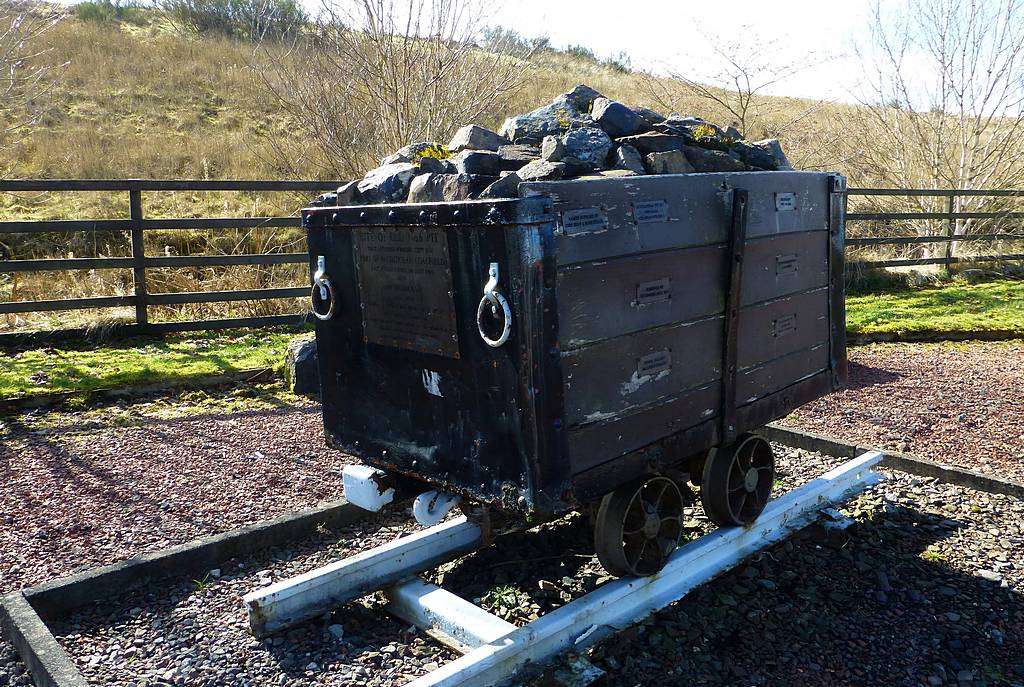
x,y
138,256
951,230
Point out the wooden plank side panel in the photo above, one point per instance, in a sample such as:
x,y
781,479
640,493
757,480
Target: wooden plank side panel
x,y
599,300
598,443
600,218
775,375
777,328
610,377
776,266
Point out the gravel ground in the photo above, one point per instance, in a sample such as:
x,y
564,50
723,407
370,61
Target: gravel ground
x,y
925,590
78,494
90,487
957,403
195,632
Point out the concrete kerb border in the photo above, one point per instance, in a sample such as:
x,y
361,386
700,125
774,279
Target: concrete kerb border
x,y
932,337
897,461
23,614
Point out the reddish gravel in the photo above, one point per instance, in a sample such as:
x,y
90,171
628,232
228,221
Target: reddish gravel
x,y
959,403
75,501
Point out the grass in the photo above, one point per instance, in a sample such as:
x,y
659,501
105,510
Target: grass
x,y
955,307
952,307
139,360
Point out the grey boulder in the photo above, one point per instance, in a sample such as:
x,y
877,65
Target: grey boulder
x,y
615,118
704,160
669,162
348,193
432,165
473,137
478,162
515,156
653,142
552,149
387,184
567,111
505,187
437,188
542,170
760,157
585,149
301,367
628,157
772,144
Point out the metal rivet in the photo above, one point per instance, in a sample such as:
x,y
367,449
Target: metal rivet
x,y
362,215
334,217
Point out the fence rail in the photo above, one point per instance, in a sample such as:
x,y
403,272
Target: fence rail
x,y
136,224
950,238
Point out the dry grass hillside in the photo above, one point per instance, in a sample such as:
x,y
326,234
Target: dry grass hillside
x,y
147,101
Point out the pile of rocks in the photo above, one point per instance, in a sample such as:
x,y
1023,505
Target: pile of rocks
x,y
580,134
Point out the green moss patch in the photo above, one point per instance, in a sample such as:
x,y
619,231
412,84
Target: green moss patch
x,y
956,307
139,360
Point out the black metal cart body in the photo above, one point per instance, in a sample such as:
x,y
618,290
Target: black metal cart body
x,y
652,318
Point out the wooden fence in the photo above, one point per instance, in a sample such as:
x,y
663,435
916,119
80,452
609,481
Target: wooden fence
x,y
951,217
136,224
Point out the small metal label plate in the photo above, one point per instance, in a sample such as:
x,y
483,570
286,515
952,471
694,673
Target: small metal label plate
x,y
785,201
786,264
583,221
656,291
654,363
650,211
405,283
784,325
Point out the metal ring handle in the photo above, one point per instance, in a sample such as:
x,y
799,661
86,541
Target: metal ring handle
x,y
494,299
316,296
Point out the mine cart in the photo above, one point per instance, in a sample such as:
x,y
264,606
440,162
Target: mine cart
x,y
594,344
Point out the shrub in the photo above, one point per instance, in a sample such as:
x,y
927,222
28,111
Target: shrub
x,y
620,63
110,11
244,19
581,52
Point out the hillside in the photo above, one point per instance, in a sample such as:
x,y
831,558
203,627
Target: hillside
x,y
147,101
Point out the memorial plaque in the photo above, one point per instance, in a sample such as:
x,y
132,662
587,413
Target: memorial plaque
x,y
405,283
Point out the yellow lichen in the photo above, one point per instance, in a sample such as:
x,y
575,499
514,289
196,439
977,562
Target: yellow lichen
x,y
704,131
434,150
563,117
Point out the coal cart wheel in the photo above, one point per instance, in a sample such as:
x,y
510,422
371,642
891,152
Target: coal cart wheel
x,y
638,526
737,481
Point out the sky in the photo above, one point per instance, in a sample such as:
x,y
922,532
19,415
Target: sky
x,y
665,36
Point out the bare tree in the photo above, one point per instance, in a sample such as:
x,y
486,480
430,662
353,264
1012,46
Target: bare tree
x,y
734,79
945,101
376,75
24,74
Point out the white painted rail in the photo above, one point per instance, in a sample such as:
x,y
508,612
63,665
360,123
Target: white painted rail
x,y
295,600
623,602
462,625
